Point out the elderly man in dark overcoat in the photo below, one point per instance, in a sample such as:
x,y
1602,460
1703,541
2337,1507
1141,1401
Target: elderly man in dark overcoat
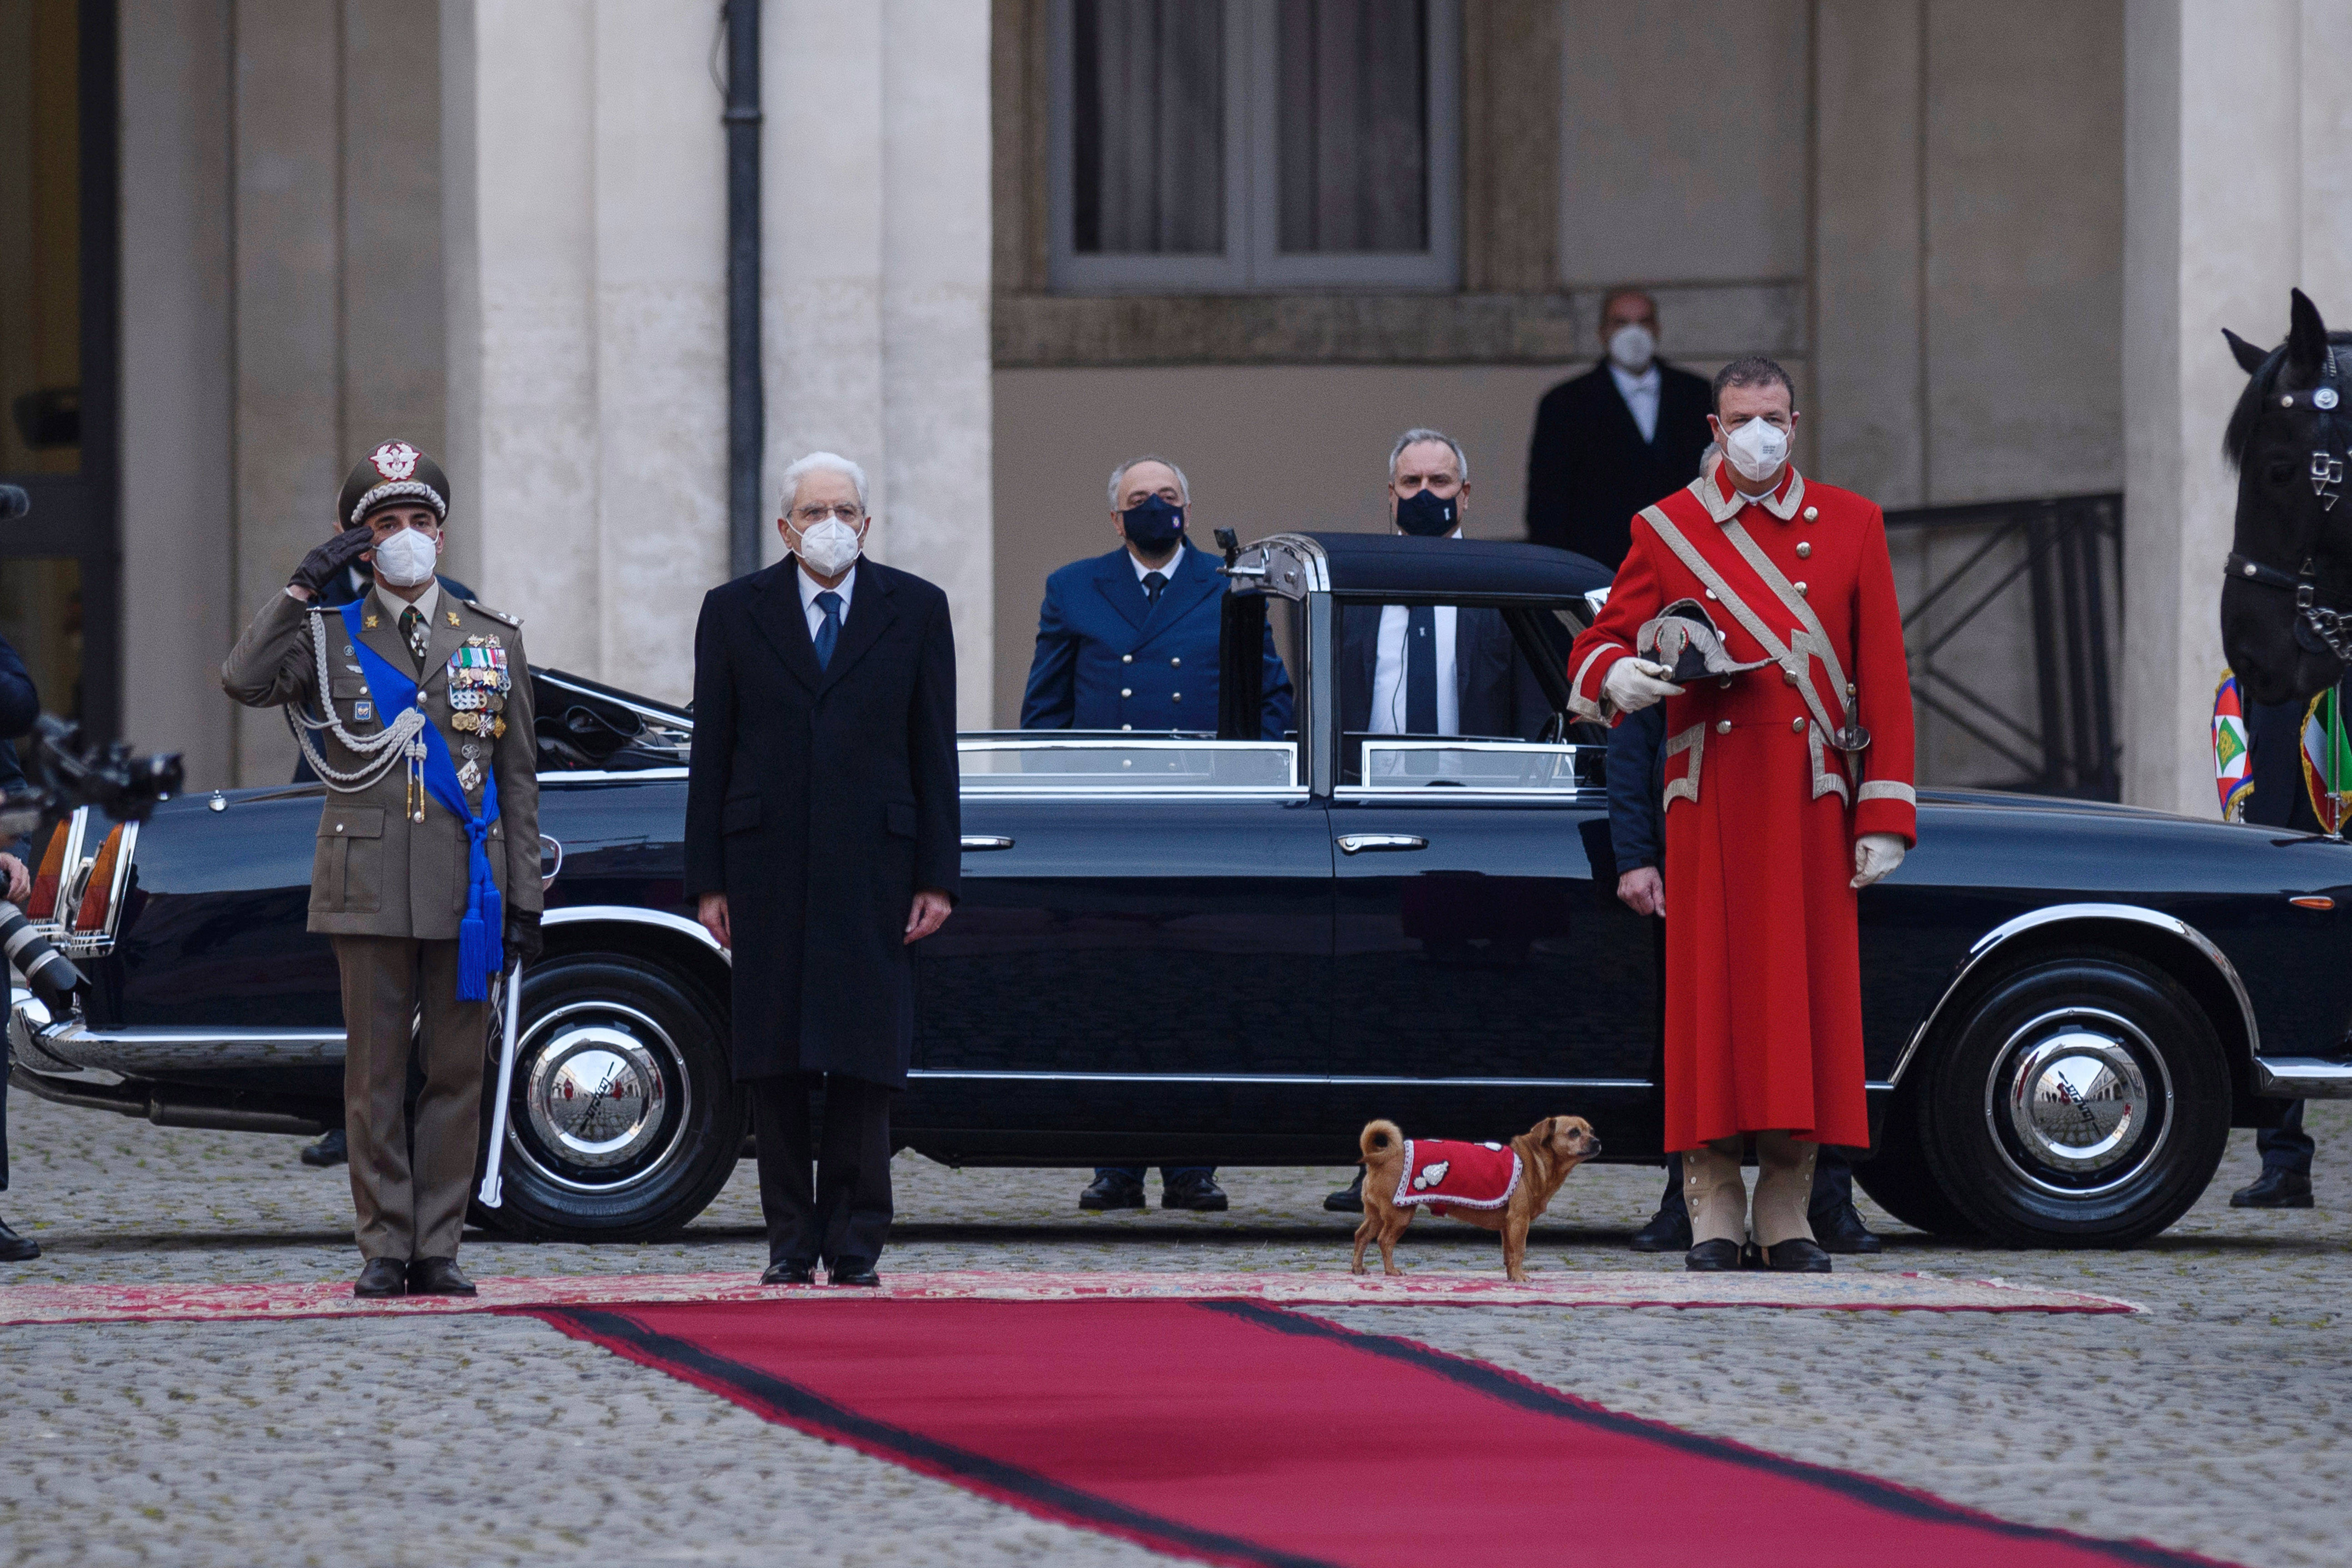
x,y
823,841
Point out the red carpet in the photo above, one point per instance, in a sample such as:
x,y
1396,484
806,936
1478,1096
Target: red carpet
x,y
1244,1434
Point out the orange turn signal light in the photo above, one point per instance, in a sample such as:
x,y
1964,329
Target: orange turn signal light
x,y
2313,902
44,902
98,894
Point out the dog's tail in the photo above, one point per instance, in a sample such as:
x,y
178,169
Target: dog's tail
x,y
1380,1137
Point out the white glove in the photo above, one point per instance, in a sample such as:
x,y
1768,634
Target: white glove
x,y
1875,856
1632,684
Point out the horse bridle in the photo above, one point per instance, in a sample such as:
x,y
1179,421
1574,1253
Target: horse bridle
x,y
2331,629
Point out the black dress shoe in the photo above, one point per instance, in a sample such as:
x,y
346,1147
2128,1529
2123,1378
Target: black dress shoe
x,y
1717,1256
1113,1189
1348,1199
439,1277
382,1276
855,1271
1668,1231
15,1248
1200,1193
2274,1189
789,1274
1844,1233
1796,1255
331,1149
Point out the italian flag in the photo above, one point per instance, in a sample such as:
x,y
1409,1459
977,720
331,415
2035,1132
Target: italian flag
x,y
2327,760
2231,776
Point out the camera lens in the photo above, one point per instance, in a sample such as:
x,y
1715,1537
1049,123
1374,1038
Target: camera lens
x,y
49,974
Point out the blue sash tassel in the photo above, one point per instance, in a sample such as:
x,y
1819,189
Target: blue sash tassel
x,y
481,948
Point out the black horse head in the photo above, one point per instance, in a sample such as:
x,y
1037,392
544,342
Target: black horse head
x,y
2290,572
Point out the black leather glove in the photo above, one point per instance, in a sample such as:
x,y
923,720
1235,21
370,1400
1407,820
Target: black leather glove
x,y
524,942
319,567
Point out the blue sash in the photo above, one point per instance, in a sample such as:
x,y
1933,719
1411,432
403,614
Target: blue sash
x,y
481,952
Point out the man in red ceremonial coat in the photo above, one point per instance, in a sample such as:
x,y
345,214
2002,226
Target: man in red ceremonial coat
x,y
1788,790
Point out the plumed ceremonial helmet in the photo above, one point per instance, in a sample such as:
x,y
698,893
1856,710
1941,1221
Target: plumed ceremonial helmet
x,y
1685,639
395,471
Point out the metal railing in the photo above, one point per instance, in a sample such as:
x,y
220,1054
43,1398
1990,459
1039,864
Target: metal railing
x,y
2055,732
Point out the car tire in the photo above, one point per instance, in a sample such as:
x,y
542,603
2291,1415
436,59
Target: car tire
x,y
584,1162
1896,1175
2081,1100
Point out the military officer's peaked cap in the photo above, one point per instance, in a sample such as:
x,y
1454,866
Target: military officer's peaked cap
x,y
397,471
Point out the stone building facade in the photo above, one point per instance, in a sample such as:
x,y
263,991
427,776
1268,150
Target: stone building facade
x,y
1994,239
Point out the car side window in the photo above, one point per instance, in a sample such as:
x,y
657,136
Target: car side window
x,y
1021,762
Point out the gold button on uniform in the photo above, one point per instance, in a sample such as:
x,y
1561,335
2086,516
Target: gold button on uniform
x,y
1804,551
1798,725
1723,726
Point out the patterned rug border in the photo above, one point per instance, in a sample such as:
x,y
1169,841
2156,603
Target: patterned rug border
x,y
1855,1291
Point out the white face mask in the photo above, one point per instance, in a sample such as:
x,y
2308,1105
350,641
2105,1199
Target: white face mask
x,y
828,547
1757,449
1631,348
406,558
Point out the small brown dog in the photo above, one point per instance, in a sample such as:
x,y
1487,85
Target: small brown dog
x,y
1498,1186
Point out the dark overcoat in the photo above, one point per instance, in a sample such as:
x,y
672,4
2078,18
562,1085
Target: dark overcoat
x,y
1589,470
819,801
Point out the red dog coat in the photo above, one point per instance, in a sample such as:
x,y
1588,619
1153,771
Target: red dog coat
x,y
1444,1174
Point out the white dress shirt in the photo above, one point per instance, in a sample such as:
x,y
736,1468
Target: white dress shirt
x,y
1640,395
1175,565
811,588
1389,694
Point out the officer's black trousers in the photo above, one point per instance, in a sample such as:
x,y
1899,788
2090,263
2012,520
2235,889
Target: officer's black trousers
x,y
844,1215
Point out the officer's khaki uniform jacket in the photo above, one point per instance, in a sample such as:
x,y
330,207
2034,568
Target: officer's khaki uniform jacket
x,y
376,873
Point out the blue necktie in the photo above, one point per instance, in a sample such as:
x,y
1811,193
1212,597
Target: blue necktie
x,y
830,633
1421,670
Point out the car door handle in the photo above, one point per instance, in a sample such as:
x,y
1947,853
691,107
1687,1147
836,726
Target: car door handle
x,y
975,841
1357,843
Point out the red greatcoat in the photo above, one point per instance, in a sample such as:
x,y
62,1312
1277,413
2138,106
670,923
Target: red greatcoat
x,y
1763,984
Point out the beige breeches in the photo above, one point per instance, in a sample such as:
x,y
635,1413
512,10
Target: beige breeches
x,y
1718,1197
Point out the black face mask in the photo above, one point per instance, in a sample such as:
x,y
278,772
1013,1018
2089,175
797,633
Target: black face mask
x,y
1153,525
1429,515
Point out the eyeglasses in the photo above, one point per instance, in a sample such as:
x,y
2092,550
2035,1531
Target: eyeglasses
x,y
808,517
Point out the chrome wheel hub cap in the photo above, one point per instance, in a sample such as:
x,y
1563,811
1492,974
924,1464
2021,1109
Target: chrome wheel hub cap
x,y
596,1095
2078,1100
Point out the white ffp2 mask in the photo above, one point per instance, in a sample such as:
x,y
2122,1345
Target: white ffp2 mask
x,y
1756,448
828,547
406,558
1631,348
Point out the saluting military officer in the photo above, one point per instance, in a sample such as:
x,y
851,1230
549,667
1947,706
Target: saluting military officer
x,y
426,876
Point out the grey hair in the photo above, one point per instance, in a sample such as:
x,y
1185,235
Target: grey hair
x,y
1183,485
1420,433
831,462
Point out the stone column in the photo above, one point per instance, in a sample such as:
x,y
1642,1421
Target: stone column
x,y
2234,163
178,505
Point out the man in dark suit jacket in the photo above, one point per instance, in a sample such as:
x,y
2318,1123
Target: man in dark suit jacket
x,y
823,839
1427,670
1129,640
1615,439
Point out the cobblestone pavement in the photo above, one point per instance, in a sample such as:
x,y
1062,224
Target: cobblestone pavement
x,y
2221,1421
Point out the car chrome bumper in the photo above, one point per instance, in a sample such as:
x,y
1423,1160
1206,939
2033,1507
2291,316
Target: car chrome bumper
x,y
70,1045
2302,1077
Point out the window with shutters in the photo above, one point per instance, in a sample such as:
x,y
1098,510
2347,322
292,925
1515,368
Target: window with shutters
x,y
1217,146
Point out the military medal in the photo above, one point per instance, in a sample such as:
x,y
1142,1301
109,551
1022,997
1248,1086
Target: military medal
x,y
453,618
370,623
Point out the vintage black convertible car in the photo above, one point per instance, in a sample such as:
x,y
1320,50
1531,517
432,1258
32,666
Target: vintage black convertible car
x,y
1217,947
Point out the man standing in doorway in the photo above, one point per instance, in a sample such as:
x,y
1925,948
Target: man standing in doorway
x,y
1787,789
1612,441
428,872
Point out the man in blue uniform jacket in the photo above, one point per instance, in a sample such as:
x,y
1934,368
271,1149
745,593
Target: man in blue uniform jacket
x,y
1128,641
